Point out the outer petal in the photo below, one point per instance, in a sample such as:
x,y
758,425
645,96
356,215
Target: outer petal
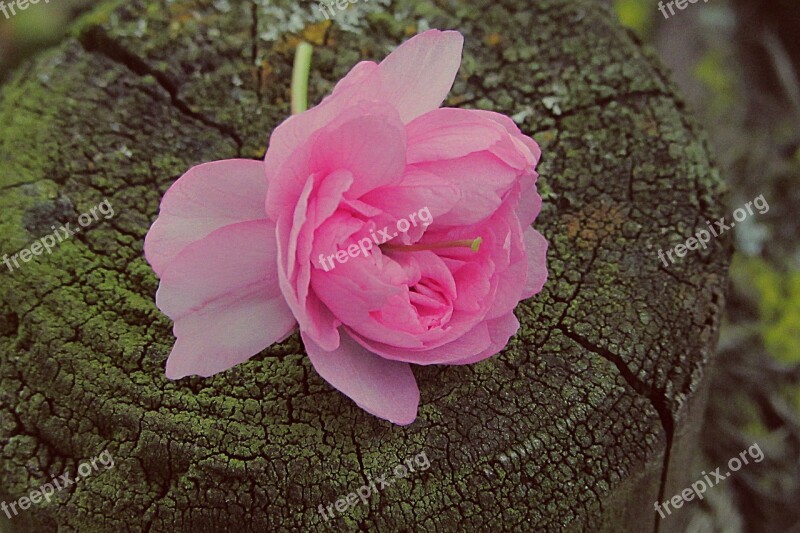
x,y
384,388
206,198
500,330
473,343
347,142
531,203
371,147
417,76
536,248
525,144
317,202
222,292
451,133
362,82
483,341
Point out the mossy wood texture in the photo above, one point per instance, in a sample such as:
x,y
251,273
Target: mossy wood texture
x,y
584,420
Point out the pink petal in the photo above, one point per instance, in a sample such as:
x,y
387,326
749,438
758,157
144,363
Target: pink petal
x,y
222,292
363,81
334,233
371,147
376,306
318,201
417,76
346,143
421,195
357,288
474,287
482,179
505,239
485,340
433,57
474,342
213,340
206,198
526,146
531,203
536,248
500,331
450,133
386,389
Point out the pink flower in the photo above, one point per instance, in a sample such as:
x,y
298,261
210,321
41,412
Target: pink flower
x,y
236,242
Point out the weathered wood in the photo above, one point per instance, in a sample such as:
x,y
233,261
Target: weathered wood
x,y
583,422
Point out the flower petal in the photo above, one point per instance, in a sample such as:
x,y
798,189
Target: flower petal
x,y
206,198
536,248
525,145
371,147
420,198
531,202
363,81
386,389
346,143
433,58
473,343
482,179
317,202
501,330
417,76
213,340
451,133
222,292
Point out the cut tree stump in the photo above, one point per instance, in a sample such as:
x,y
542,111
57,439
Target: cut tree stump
x,y
585,420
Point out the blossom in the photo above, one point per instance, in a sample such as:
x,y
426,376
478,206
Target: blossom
x,y
235,240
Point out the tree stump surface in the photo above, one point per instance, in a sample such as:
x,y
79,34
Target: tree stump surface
x,y
585,419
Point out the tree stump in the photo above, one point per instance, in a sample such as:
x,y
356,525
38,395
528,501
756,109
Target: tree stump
x,y
584,421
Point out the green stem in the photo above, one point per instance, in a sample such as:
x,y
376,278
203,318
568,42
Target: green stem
x,y
300,74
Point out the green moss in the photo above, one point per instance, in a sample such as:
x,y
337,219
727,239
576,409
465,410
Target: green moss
x,y
778,297
636,14
712,72
100,15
